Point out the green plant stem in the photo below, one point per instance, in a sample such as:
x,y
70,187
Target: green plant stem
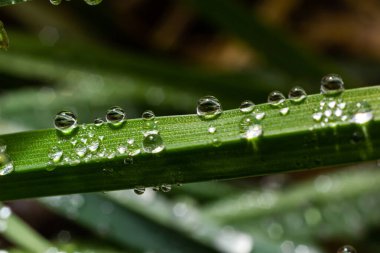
x,y
289,143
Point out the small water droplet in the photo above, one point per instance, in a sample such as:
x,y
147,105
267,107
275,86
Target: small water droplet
x,y
165,187
332,84
259,115
284,111
81,150
93,146
56,154
346,249
209,107
276,98
327,113
153,142
211,129
115,116
216,142
139,190
133,148
148,115
297,94
98,122
247,106
93,2
6,163
4,41
331,104
128,161
55,2
250,127
362,113
65,122
121,149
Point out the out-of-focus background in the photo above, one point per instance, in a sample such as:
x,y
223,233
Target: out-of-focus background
x,y
164,55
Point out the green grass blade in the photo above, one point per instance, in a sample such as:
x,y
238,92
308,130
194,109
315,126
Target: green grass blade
x,y
11,2
20,234
289,143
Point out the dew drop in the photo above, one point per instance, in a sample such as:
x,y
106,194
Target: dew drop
x,y
284,111
346,249
276,98
165,188
65,122
297,94
363,113
209,107
156,188
216,142
6,164
81,150
211,129
93,2
139,190
128,161
332,84
4,41
153,142
259,115
56,154
115,116
98,122
148,115
93,146
133,148
247,106
121,149
55,2
250,127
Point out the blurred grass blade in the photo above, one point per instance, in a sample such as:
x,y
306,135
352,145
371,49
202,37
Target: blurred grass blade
x,y
19,233
125,227
288,143
11,2
278,50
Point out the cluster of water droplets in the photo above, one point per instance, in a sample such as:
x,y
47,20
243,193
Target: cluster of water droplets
x,y
6,163
89,2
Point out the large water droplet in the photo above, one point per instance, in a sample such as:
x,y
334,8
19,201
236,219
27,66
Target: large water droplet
x,y
148,115
276,98
6,163
115,116
93,2
247,106
56,154
297,94
55,2
65,122
98,122
153,142
250,127
209,107
346,249
139,190
362,113
4,41
332,84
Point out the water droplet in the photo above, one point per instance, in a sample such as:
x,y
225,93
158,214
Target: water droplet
x,y
55,2
276,98
98,122
93,146
259,115
250,127
211,129
284,111
209,107
331,104
115,116
247,106
216,142
128,161
153,142
56,154
332,84
165,188
148,115
93,2
156,188
4,41
121,149
65,122
6,164
81,150
297,94
346,249
139,190
362,113
133,148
